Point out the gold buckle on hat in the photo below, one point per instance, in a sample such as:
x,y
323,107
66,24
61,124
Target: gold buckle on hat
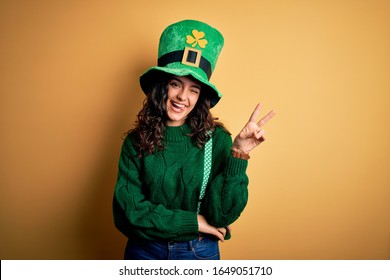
x,y
190,52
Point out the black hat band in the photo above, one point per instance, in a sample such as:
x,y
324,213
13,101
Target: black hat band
x,y
189,56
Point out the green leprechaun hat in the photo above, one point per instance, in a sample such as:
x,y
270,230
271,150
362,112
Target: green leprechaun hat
x,y
188,47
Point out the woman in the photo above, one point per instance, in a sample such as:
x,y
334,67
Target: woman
x,y
169,201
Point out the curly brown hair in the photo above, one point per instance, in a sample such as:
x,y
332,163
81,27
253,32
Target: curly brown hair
x,y
150,123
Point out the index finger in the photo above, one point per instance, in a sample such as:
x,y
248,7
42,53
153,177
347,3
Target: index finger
x,y
220,235
267,117
255,113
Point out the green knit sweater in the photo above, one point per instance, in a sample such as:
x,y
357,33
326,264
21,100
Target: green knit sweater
x,y
156,196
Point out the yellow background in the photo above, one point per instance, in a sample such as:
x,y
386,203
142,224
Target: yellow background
x,y
319,185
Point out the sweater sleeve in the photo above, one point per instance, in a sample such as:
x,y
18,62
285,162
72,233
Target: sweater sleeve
x,y
227,192
135,215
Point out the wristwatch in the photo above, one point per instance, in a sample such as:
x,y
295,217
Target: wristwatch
x,y
239,154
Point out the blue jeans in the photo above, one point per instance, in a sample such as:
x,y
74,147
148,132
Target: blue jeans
x,y
202,248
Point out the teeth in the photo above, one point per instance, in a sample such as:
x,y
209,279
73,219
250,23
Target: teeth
x,y
178,105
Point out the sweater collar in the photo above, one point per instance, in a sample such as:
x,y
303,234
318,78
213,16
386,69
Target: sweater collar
x,y
177,133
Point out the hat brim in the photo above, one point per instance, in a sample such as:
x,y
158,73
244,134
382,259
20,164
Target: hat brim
x,y
153,75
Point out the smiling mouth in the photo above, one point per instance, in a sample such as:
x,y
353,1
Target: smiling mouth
x,y
178,106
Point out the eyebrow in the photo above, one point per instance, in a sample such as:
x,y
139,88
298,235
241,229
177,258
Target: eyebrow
x,y
193,85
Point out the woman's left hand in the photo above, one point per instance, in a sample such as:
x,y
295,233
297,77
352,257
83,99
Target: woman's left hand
x,y
252,134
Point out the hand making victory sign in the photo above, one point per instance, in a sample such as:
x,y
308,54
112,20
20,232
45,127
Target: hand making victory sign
x,y
252,134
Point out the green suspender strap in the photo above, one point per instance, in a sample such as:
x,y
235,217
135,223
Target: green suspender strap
x,y
208,151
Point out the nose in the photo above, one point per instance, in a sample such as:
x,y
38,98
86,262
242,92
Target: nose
x,y
182,95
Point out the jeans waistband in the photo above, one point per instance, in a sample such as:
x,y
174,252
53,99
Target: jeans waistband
x,y
189,244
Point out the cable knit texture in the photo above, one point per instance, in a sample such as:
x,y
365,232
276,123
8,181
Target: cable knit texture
x,y
156,196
